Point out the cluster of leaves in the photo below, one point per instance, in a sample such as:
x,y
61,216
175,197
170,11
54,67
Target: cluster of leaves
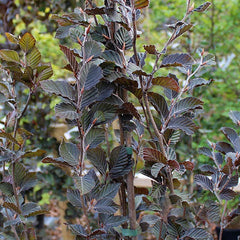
x,y
104,75
19,69
221,178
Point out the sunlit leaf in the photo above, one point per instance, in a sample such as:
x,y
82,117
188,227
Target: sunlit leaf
x,y
9,56
166,82
139,4
27,42
33,58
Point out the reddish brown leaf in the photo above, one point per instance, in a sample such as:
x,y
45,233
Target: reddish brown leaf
x,y
150,154
151,49
71,58
166,82
188,165
173,164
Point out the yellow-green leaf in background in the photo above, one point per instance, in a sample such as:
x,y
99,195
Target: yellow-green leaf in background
x,y
138,4
33,58
9,55
11,38
27,42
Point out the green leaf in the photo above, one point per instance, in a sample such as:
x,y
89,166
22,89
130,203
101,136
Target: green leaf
x,y
95,137
120,163
44,72
129,232
66,110
97,157
70,153
38,212
27,42
60,88
139,4
34,153
9,137
11,38
89,75
33,58
84,183
9,56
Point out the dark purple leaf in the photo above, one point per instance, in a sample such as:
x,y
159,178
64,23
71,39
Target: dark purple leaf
x,y
177,59
202,7
186,104
227,194
153,155
205,151
232,136
183,123
71,58
235,116
204,182
160,104
224,147
196,82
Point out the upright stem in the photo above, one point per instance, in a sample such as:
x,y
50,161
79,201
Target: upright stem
x,y
222,219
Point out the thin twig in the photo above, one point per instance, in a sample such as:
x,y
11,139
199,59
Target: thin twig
x,y
222,225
